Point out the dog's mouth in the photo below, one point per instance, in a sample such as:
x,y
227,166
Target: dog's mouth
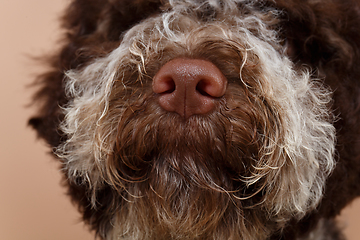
x,y
200,149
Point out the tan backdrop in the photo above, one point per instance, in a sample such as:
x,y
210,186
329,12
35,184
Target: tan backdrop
x,y
32,203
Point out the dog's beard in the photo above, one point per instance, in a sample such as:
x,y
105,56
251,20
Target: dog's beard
x,y
201,149
188,176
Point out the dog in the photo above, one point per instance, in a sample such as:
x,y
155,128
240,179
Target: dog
x,y
206,119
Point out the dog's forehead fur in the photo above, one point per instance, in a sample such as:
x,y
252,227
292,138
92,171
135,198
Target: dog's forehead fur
x,y
255,167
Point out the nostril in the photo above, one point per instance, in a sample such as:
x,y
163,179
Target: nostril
x,y
202,88
170,86
165,85
213,86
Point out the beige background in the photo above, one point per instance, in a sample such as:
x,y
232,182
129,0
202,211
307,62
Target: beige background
x,y
32,203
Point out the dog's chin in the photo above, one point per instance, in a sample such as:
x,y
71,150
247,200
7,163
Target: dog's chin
x,y
207,150
172,204
186,175
196,149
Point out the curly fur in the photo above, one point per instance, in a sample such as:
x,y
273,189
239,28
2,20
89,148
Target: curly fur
x,y
256,167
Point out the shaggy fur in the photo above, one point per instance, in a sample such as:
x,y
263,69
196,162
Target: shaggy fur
x,y
277,157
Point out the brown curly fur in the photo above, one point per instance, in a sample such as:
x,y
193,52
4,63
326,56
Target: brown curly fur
x,y
324,35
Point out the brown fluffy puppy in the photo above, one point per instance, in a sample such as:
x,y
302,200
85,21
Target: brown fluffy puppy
x,y
207,119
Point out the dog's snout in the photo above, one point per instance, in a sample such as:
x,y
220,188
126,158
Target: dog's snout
x,y
189,86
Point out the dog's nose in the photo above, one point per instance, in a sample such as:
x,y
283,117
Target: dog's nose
x,y
189,86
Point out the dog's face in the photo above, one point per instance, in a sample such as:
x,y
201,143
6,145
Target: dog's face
x,y
200,124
